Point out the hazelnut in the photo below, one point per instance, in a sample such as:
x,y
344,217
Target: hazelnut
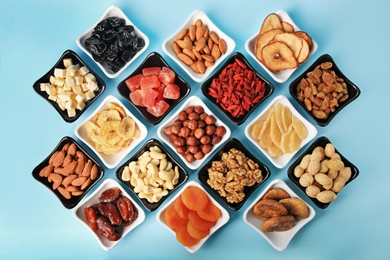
x,y
184,132
168,130
215,139
201,124
205,139
206,148
178,122
180,150
190,157
189,110
199,132
182,116
199,155
193,149
193,124
191,140
179,141
210,130
193,116
175,129
210,120
220,131
172,138
198,109
202,116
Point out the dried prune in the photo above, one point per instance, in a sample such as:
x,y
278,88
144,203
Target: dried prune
x,y
113,214
90,215
127,55
116,21
110,195
109,35
102,26
97,48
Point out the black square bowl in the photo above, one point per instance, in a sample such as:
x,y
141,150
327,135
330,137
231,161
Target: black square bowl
x,y
182,178
353,90
269,88
321,141
154,59
233,143
59,64
73,201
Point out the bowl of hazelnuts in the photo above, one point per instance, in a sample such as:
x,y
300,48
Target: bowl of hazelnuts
x,y
193,132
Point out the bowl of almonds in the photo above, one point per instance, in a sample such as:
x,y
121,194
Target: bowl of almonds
x,y
199,46
69,172
323,90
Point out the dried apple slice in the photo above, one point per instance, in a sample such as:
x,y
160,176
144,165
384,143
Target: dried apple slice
x,y
293,41
272,21
304,53
278,56
306,37
287,27
263,40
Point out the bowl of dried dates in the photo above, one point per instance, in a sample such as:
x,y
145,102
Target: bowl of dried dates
x,y
323,90
233,174
110,213
154,88
194,132
237,88
69,172
113,42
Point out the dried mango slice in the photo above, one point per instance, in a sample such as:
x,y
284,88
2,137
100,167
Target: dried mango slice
x,y
265,137
300,128
274,151
275,133
278,116
256,129
286,117
295,142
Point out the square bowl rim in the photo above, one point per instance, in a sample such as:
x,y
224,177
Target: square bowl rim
x,y
268,85
99,81
138,221
298,226
174,162
133,144
206,20
122,84
118,12
197,163
284,75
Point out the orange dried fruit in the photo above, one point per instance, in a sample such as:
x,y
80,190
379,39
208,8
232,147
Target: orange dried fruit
x,y
180,208
184,238
194,198
210,213
196,233
173,220
198,222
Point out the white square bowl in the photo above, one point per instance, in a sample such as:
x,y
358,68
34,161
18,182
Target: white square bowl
x,y
192,101
284,75
110,161
281,161
279,240
167,45
112,11
221,221
94,199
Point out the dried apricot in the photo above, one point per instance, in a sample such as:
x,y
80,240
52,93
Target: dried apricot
x,y
180,208
184,238
173,220
196,233
198,222
194,198
210,213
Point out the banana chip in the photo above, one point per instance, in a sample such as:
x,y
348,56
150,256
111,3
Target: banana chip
x,y
111,130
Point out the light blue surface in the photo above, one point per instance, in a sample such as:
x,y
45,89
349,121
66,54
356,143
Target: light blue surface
x,y
34,224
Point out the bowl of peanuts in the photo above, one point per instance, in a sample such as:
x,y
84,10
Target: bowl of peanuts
x,y
321,172
152,174
198,46
323,90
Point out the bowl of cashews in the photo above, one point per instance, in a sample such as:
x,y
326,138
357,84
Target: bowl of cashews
x,y
152,174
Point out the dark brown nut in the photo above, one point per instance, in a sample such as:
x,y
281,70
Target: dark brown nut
x,y
193,149
296,207
179,141
201,124
198,109
202,116
193,116
220,131
182,116
180,150
190,157
276,194
199,132
206,148
210,130
191,140
184,132
205,139
178,123
215,139
175,129
193,124
189,110
266,209
210,120
279,224
199,155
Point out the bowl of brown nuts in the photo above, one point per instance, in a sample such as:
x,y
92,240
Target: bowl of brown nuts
x,y
323,90
322,172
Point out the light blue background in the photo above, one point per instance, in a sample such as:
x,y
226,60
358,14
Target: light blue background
x,y
33,35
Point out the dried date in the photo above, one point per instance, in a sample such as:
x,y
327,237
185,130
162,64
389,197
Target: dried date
x,y
110,195
126,209
113,214
91,217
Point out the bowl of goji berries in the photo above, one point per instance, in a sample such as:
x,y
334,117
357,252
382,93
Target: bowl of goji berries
x,y
237,88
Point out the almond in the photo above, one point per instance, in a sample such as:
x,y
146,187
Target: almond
x,y
210,43
56,178
65,147
181,35
207,57
87,169
56,185
200,44
222,46
176,47
192,32
86,184
79,181
70,168
184,58
67,160
198,23
72,188
80,154
200,30
208,64
61,171
201,67
197,54
94,172
215,52
194,67
64,193
77,193
206,32
72,149
52,157
187,43
68,179
182,44
189,53
59,158
214,37
206,50
80,164
46,171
